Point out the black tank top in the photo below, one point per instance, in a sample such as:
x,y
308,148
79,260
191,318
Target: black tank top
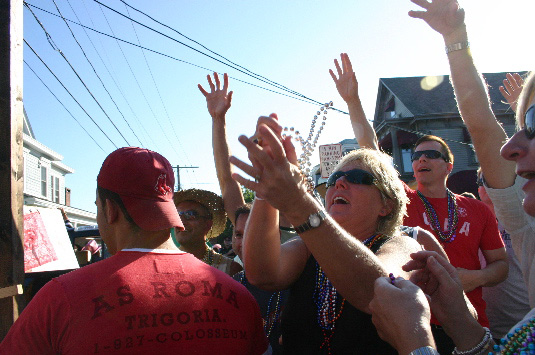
x,y
354,331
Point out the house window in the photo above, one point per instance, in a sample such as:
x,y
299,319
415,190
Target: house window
x,y
43,180
406,158
56,190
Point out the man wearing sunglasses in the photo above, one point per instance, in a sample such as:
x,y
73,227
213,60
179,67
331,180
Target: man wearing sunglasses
x,y
461,225
203,215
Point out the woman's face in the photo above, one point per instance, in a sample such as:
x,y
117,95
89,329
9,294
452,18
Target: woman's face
x,y
521,149
354,206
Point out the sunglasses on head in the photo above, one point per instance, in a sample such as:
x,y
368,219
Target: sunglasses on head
x,y
430,154
529,122
190,215
355,176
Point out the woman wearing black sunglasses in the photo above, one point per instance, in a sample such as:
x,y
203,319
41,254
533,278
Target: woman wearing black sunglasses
x,y
350,243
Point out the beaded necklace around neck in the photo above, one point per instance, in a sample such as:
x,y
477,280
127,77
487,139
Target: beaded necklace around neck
x,y
446,236
325,297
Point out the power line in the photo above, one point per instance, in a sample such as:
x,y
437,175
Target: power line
x,y
51,41
95,71
88,115
61,103
160,96
209,56
211,51
108,70
183,61
140,88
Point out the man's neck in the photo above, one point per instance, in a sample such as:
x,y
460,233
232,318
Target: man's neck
x,y
433,190
197,249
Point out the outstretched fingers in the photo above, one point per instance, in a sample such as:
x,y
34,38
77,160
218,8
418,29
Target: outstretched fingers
x,y
212,87
346,63
422,3
204,92
225,82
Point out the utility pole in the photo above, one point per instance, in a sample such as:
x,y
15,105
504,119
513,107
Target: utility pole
x,y
11,190
178,174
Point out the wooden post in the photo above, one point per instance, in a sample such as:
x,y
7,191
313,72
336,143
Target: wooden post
x,y
11,182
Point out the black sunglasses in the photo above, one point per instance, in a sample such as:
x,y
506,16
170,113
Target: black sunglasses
x,y
480,180
529,122
191,215
430,154
355,176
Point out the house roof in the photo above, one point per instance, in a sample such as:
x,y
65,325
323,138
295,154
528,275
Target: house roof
x,y
434,94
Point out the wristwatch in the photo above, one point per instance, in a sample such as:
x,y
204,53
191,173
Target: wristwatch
x,y
313,221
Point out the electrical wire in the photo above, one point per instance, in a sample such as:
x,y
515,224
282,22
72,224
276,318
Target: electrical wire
x,y
200,44
61,103
95,71
140,88
164,106
183,61
51,41
139,122
83,109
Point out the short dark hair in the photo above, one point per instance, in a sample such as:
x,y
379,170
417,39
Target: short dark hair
x,y
245,209
105,194
445,148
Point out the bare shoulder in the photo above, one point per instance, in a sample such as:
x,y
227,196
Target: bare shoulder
x,y
401,244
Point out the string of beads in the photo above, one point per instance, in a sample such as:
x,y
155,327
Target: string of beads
x,y
326,299
308,146
449,235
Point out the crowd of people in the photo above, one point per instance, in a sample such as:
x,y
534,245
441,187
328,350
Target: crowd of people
x,y
371,267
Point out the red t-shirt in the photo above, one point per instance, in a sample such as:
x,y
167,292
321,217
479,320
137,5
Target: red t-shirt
x,y
140,302
476,229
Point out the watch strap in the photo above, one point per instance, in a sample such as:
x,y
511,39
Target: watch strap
x,y
307,226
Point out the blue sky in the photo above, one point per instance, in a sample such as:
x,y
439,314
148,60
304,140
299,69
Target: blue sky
x,y
290,42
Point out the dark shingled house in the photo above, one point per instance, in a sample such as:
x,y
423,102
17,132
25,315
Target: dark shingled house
x,y
410,107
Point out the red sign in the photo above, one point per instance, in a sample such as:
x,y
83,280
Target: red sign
x,y
38,249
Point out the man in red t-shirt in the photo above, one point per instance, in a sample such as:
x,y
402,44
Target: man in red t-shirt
x,y
149,297
462,225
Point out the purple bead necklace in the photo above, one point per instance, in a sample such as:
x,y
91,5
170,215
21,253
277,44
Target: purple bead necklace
x,y
449,235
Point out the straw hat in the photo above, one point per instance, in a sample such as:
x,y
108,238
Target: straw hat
x,y
211,201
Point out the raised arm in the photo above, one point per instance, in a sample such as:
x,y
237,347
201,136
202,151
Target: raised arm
x,y
447,18
218,101
347,86
349,265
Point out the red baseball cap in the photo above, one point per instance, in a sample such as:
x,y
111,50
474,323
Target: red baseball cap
x,y
144,179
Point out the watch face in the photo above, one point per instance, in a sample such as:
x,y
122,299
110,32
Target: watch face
x,y
315,220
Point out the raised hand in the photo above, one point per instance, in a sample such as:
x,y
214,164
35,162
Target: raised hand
x,y
276,179
346,82
217,100
444,16
511,89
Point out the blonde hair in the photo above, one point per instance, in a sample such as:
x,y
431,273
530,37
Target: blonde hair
x,y
526,96
387,181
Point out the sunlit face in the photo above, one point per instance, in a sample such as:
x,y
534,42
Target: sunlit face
x,y
428,171
237,235
195,229
354,206
522,150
